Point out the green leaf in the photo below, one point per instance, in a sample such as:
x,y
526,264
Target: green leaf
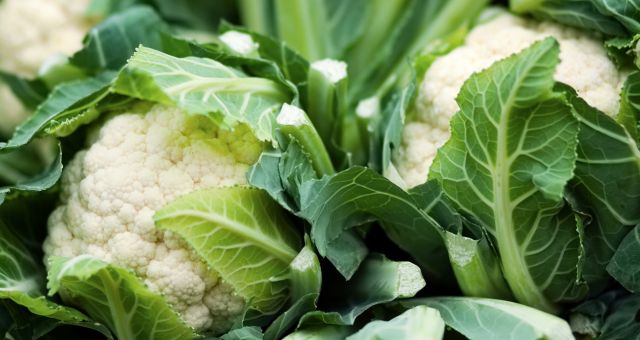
x,y
328,332
138,25
244,333
254,241
334,205
28,312
478,318
606,186
388,133
378,280
30,92
625,263
625,12
417,323
612,316
66,102
41,181
204,86
21,280
622,323
578,13
281,172
197,14
115,297
629,114
511,153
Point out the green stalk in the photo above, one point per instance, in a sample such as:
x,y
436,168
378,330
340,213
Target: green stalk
x,y
382,17
476,268
256,15
524,6
305,275
326,95
302,25
295,123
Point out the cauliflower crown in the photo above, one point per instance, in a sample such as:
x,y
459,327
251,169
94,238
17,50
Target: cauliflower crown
x,y
496,39
137,163
47,28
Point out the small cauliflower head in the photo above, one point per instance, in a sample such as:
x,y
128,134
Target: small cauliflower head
x,y
136,164
32,32
584,65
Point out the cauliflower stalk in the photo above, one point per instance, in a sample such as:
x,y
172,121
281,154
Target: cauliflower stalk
x,y
487,43
47,29
135,165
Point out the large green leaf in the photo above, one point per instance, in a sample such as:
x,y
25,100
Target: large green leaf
x,y
625,263
21,280
203,86
579,13
482,319
242,234
626,12
115,297
417,323
611,316
606,186
29,314
67,102
511,152
334,205
138,25
629,114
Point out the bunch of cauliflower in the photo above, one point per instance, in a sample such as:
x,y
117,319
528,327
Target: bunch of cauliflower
x,y
584,65
47,29
136,163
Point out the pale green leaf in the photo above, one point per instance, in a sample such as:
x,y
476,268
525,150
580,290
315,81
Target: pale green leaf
x,y
418,323
243,235
487,319
115,297
204,86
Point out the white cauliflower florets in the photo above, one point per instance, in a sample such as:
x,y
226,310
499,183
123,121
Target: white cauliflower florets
x,y
32,31
135,165
584,65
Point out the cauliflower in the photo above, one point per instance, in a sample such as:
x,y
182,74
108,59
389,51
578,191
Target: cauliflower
x,y
137,163
497,39
31,32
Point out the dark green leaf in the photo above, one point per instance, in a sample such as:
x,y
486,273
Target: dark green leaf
x,y
511,153
336,204
606,186
127,30
41,181
625,263
66,102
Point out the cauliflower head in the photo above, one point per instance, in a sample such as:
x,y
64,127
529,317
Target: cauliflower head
x,y
135,164
496,39
31,32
